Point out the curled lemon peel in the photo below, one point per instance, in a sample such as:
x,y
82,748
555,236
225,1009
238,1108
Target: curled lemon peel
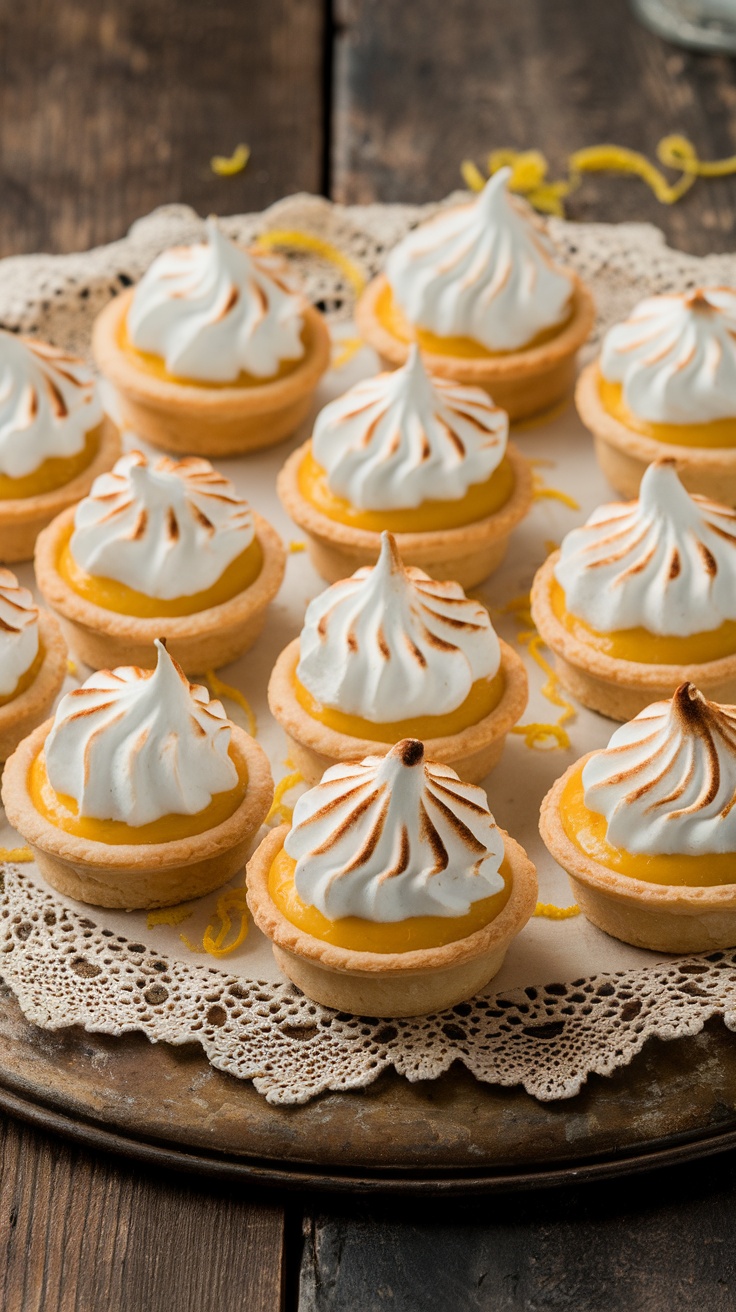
x,y
540,736
306,241
18,854
348,349
226,166
71,667
551,912
193,947
280,810
169,915
295,547
541,492
230,903
220,689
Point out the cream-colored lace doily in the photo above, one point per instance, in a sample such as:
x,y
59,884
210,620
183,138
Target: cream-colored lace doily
x,y
69,965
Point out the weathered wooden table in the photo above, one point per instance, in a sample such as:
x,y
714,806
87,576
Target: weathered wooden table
x,y
109,107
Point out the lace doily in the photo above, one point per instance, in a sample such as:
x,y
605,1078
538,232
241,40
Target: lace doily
x,y
68,967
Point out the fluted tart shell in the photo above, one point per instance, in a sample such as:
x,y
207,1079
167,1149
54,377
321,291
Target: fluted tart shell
x,y
31,707
192,419
390,984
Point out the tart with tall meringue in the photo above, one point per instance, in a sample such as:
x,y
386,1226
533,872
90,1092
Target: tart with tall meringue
x,y
478,288
160,547
389,654
643,598
394,893
426,458
646,827
32,663
139,792
54,438
212,353
665,385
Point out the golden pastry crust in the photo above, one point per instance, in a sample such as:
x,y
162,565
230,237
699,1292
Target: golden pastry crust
x,y
104,638
314,747
467,555
22,519
391,983
624,455
31,707
618,688
522,382
209,421
662,917
133,875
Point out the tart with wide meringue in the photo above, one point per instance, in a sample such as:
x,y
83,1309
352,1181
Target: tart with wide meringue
x,y
665,386
478,289
32,663
646,827
139,792
54,439
160,547
389,654
643,598
212,353
394,893
427,459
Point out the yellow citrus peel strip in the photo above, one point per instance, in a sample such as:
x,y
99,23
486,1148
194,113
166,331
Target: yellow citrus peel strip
x,y
220,689
280,810
19,854
229,904
538,735
296,547
193,947
169,915
226,166
551,912
348,349
306,241
71,667
541,492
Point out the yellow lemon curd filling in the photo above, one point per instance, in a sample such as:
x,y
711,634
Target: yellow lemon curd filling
x,y
358,935
484,697
53,473
26,679
118,597
392,319
715,433
648,648
63,812
155,366
587,830
480,501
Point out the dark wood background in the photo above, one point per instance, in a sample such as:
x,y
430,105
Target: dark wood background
x,y
110,107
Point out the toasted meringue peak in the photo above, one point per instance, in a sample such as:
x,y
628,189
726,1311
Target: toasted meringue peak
x,y
18,632
213,311
483,270
390,643
675,357
396,440
665,563
49,402
168,528
392,837
666,783
136,745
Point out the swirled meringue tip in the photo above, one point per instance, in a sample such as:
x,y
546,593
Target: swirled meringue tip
x,y
49,402
213,311
402,438
392,837
136,745
665,563
390,643
19,642
675,357
163,527
483,270
666,783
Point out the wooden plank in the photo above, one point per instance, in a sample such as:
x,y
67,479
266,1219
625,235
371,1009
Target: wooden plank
x,y
419,87
110,107
94,1236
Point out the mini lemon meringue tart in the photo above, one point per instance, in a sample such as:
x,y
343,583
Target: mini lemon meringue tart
x,y
477,287
643,598
139,792
427,459
394,893
212,353
389,654
32,663
160,547
646,827
665,385
54,439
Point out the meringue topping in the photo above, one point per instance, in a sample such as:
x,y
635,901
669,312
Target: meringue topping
x,y
164,527
675,357
391,643
18,632
49,402
666,783
136,745
213,311
399,439
483,270
665,563
392,837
